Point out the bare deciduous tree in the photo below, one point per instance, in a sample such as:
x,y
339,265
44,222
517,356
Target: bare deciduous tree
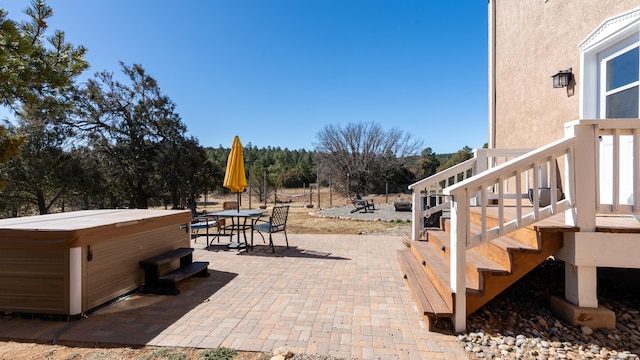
x,y
363,156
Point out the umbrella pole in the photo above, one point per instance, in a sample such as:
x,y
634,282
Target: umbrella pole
x,y
238,208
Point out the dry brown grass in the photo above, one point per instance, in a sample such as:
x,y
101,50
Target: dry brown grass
x,y
301,221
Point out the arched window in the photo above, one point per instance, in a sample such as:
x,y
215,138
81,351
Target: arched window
x,y
609,89
609,69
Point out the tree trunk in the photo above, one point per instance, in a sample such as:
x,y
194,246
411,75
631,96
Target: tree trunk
x,y
141,201
175,199
140,198
41,203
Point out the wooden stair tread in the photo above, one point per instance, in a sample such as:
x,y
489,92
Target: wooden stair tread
x,y
426,294
436,261
439,265
490,267
477,260
477,265
505,242
482,263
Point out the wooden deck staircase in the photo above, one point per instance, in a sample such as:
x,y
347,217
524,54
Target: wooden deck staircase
x,y
490,267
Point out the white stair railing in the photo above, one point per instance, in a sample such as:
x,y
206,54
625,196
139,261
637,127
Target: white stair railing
x,y
525,175
428,196
432,187
518,172
590,170
491,179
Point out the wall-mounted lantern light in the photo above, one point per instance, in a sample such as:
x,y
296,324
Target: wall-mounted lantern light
x,y
562,78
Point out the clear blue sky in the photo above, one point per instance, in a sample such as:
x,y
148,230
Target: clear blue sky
x,y
275,72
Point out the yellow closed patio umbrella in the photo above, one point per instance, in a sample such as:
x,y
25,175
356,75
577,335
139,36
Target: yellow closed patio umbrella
x,y
234,177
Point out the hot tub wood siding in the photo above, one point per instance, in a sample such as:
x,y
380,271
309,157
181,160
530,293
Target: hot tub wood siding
x,y
34,281
37,254
115,269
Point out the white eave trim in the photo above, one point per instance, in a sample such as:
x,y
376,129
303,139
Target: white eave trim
x,y
609,29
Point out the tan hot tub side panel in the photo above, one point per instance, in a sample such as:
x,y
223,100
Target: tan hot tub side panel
x,y
115,269
38,255
34,280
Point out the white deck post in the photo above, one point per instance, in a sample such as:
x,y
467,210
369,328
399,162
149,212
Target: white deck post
x,y
481,161
458,277
581,281
482,165
416,210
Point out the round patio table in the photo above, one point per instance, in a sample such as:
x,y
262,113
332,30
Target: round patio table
x,y
241,221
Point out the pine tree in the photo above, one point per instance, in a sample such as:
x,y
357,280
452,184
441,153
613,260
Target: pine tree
x,y
32,71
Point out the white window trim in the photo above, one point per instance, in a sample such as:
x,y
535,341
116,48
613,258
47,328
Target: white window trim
x,y
606,55
606,35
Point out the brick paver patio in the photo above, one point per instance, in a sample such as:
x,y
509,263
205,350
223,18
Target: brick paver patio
x,y
338,295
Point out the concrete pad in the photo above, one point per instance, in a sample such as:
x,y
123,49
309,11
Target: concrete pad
x,y
595,318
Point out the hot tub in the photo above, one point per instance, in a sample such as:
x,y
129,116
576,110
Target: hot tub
x,y
69,263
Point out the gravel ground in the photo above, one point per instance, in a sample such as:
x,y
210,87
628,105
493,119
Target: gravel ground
x,y
518,323
383,212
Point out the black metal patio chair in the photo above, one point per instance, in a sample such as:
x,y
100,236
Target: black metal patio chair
x,y
277,222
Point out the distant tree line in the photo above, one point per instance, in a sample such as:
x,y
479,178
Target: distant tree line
x,y
111,143
271,168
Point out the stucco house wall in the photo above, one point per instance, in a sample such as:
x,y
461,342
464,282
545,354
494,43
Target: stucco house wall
x,y
533,40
